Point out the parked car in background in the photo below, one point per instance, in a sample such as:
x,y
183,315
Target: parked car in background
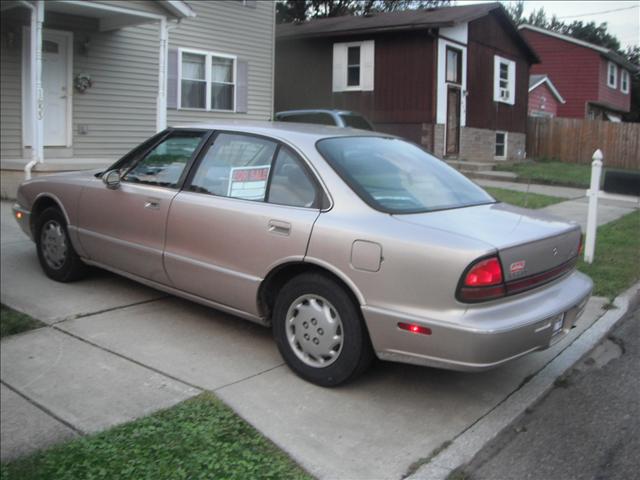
x,y
349,244
338,118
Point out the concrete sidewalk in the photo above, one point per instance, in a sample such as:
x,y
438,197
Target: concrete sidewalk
x,y
114,351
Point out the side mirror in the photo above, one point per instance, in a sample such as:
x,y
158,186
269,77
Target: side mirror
x,y
111,179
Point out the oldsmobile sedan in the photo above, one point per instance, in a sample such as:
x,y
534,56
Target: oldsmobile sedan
x,y
349,244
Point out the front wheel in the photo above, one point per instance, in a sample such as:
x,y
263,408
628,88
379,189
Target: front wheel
x,y
57,257
319,331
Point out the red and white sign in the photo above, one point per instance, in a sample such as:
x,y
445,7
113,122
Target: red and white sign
x,y
249,183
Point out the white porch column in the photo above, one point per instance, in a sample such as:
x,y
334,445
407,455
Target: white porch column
x,y
161,102
36,112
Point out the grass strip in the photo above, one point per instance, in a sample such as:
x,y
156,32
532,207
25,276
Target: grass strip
x,y
200,438
616,263
551,173
12,322
522,199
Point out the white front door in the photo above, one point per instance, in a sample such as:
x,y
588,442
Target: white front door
x,y
54,87
57,48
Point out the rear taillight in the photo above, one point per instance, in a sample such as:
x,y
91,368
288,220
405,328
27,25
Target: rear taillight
x,y
483,280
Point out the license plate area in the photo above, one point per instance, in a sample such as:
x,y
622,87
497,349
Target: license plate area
x,y
557,322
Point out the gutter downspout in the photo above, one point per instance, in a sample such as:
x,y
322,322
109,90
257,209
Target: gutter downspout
x,y
37,102
163,55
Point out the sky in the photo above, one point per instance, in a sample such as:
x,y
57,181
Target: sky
x,y
623,21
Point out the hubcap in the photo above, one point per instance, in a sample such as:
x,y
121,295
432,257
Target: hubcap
x,y
53,243
314,330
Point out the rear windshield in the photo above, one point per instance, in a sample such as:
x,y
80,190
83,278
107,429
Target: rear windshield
x,y
395,176
317,118
356,121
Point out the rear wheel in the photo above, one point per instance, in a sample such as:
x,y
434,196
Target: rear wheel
x,y
320,332
57,257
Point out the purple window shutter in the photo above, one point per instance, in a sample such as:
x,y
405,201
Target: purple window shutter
x,y
242,89
172,78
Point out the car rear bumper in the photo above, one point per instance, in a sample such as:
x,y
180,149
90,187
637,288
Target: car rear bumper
x,y
483,336
23,217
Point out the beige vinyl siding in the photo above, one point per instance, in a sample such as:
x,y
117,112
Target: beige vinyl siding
x,y
232,28
10,111
119,110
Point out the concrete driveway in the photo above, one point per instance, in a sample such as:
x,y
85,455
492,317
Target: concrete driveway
x,y
114,351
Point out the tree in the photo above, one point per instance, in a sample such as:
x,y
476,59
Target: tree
x,y
301,10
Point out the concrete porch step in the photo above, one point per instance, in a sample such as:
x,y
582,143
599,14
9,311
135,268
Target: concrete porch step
x,y
467,166
491,175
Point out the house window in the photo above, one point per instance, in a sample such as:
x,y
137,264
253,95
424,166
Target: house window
x,y
612,75
454,65
353,66
207,80
501,145
624,81
504,80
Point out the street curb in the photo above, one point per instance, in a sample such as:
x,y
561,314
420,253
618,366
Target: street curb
x,y
469,443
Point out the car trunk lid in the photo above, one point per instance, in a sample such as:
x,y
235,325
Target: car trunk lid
x,y
528,243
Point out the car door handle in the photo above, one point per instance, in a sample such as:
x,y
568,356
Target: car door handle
x,y
152,203
279,227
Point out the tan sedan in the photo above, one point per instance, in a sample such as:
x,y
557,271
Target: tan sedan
x,y
350,244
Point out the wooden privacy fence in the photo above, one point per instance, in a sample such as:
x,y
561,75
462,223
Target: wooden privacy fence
x,y
574,140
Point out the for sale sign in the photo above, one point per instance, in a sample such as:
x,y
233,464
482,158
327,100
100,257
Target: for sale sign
x,y
249,183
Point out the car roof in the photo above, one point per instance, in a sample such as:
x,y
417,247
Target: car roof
x,y
286,130
317,110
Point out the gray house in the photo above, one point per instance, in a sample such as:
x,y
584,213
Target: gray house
x,y
82,82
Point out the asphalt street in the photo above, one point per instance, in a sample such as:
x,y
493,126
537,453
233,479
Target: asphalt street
x,y
587,427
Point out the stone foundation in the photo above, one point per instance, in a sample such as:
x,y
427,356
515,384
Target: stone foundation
x,y
476,144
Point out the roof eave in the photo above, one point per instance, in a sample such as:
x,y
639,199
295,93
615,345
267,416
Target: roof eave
x,y
179,8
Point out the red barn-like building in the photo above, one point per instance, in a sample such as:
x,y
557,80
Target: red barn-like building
x,y
595,81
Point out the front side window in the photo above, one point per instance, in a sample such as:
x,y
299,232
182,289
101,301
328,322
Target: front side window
x,y
624,81
164,164
207,81
612,75
504,80
353,66
395,176
237,166
501,145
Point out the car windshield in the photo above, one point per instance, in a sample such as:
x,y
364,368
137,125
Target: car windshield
x,y
356,121
395,176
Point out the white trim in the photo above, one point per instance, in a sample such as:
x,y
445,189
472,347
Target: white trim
x,y
613,85
498,61
25,87
207,78
179,7
506,145
340,66
624,75
551,86
441,91
564,37
113,8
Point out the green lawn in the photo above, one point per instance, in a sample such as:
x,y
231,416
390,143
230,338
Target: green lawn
x,y
197,439
552,173
15,322
521,199
616,263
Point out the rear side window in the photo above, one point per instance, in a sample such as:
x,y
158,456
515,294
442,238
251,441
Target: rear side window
x,y
317,118
356,121
290,183
235,166
164,164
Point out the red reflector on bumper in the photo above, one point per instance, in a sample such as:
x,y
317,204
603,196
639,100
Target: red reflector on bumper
x,y
413,328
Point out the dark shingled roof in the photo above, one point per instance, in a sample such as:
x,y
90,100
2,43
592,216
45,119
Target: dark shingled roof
x,y
404,20
397,21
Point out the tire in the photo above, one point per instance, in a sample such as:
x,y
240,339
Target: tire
x,y
310,312
57,257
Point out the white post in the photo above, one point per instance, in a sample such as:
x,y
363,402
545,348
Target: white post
x,y
161,101
592,216
36,112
